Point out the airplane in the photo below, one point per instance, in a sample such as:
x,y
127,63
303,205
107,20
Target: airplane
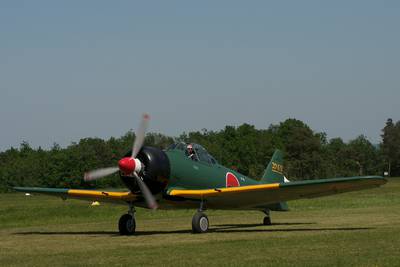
x,y
186,176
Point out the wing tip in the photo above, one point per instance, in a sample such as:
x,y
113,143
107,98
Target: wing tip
x,y
18,189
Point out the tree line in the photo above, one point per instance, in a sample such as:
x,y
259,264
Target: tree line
x,y
308,155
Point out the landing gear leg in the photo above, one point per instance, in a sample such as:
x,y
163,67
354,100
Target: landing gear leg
x,y
267,218
200,221
127,222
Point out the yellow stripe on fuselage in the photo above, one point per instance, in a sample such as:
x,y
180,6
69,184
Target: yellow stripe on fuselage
x,y
101,194
219,191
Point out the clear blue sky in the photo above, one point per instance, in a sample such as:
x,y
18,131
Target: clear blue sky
x,y
74,69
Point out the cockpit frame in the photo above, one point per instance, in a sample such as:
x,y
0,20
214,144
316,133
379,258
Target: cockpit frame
x,y
201,153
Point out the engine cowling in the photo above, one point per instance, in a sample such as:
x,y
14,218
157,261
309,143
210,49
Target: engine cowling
x,y
156,171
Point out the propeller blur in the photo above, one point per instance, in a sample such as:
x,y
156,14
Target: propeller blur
x,y
130,166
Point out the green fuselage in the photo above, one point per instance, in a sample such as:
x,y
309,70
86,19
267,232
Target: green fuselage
x,y
196,174
200,174
191,174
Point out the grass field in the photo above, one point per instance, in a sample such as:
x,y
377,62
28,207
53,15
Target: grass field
x,y
353,229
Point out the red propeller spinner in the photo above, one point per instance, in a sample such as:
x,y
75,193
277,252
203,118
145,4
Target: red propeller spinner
x,y
129,165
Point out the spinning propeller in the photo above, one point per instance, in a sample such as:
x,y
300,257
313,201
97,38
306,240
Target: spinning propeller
x,y
130,166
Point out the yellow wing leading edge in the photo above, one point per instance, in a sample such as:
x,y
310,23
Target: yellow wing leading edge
x,y
92,195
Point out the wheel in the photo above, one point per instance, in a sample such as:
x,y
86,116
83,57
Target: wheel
x,y
200,223
267,220
127,225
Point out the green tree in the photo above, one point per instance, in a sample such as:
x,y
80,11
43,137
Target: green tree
x,y
308,154
302,148
364,155
391,146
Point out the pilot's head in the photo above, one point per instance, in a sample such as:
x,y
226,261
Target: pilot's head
x,y
190,148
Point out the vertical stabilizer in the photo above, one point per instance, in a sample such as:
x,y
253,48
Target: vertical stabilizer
x,y
274,172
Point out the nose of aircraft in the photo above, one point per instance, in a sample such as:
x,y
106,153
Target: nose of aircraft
x,y
127,165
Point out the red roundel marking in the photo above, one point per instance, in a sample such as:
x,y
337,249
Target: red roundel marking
x,y
231,180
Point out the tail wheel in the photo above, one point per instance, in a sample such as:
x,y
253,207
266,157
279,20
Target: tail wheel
x,y
200,223
127,225
267,220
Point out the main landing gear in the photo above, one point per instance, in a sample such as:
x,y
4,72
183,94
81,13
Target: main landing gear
x,y
127,222
200,221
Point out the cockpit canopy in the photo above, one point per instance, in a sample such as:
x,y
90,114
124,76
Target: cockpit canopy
x,y
201,153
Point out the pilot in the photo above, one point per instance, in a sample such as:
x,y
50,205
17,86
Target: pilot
x,y
191,153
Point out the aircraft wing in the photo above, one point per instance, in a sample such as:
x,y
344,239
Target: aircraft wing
x,y
91,195
262,195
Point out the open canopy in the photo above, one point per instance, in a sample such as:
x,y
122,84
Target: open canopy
x,y
201,153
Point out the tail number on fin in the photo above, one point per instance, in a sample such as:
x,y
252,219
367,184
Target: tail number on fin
x,y
278,168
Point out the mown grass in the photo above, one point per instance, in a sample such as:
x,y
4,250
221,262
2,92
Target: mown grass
x,y
353,229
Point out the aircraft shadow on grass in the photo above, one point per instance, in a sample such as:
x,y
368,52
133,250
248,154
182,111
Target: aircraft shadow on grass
x,y
223,228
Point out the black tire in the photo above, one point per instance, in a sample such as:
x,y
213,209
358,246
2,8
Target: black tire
x,y
127,225
200,223
267,220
